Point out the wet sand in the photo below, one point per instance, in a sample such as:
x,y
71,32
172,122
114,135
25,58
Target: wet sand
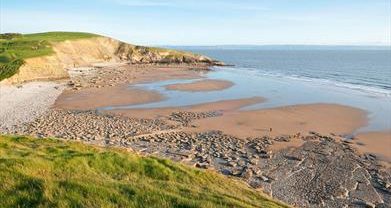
x,y
326,119
202,85
288,120
322,118
111,85
92,98
377,143
223,106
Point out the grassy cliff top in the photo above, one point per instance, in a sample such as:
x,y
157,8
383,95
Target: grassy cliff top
x,y
55,173
15,48
19,46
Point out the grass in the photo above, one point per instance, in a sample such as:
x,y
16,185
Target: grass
x,y
55,173
10,68
15,48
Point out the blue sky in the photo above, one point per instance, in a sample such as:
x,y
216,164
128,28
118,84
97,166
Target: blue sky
x,y
208,22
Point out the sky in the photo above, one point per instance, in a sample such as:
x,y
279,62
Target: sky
x,y
208,22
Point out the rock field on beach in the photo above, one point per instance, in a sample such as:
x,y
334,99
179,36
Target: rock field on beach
x,y
322,172
88,126
186,117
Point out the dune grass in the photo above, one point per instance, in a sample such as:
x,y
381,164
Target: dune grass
x,y
55,173
14,48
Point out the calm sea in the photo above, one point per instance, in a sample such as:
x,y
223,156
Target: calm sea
x,y
357,78
367,70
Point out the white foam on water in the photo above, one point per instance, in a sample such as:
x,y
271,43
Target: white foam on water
x,y
366,89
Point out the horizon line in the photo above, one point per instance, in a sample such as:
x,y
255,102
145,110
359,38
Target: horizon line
x,y
277,47
280,44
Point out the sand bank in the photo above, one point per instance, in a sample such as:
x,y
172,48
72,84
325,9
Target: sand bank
x,y
322,118
92,88
92,98
289,120
223,106
202,85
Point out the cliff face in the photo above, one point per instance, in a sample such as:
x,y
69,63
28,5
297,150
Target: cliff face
x,y
140,55
89,51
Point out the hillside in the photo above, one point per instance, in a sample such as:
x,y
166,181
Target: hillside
x,y
40,56
55,173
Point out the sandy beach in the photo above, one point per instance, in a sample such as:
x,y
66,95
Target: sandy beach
x,y
377,143
322,118
103,86
203,85
92,98
336,119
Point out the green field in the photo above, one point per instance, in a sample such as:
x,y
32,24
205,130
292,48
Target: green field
x,y
15,48
56,173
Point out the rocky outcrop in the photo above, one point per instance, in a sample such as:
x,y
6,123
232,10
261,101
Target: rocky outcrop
x,y
148,55
89,51
326,173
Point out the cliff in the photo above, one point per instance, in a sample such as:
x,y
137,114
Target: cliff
x,y
46,56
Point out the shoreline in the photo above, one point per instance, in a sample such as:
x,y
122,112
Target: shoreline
x,y
108,89
377,143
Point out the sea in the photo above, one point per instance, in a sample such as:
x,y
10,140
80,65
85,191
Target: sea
x,y
288,75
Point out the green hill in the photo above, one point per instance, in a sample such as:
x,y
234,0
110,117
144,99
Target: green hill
x,y
15,48
56,173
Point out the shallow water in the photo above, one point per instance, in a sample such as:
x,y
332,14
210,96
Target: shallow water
x,y
290,88
365,70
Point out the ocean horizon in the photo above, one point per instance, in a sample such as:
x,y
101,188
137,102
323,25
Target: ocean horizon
x,y
281,47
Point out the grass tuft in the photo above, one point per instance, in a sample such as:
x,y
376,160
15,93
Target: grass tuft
x,y
54,173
